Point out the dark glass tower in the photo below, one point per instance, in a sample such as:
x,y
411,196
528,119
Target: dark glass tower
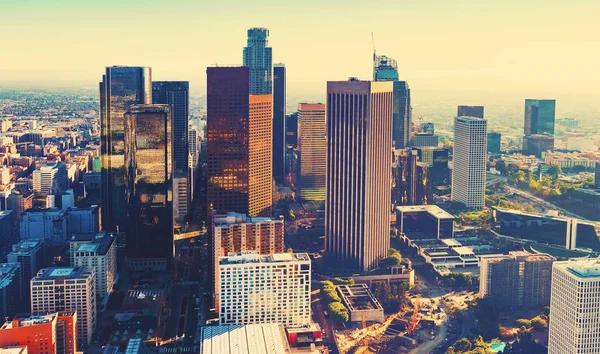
x,y
539,117
279,123
470,111
386,69
239,129
149,181
494,142
121,87
177,95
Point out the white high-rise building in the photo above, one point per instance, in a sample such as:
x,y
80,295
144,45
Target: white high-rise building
x,y
50,179
180,198
67,289
4,175
468,172
575,307
99,254
264,288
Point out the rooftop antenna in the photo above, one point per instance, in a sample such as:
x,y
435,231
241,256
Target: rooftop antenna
x,y
373,41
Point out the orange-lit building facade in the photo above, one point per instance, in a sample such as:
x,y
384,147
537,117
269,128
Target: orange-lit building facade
x,y
312,144
236,233
54,333
240,138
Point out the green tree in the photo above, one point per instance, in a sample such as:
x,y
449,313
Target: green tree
x,y
463,345
523,322
539,323
554,171
338,311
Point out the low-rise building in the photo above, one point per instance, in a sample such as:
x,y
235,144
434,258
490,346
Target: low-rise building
x,y
361,303
424,221
246,339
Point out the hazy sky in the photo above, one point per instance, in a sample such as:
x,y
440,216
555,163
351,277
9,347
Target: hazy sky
x,y
540,48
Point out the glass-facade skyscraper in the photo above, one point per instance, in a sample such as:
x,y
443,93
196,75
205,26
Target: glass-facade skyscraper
x,y
121,87
279,121
386,69
539,117
312,143
239,129
258,57
149,182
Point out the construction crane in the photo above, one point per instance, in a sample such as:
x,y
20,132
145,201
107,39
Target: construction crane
x,y
414,319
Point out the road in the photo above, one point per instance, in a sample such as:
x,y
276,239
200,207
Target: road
x,y
430,345
541,201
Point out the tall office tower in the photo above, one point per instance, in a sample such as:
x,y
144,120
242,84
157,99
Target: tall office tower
x,y
437,159
10,289
52,333
8,234
574,307
194,156
470,111
264,289
313,151
493,142
412,186
50,179
239,144
539,116
121,87
291,130
359,139
30,255
177,95
258,57
468,172
518,279
67,289
237,233
279,121
149,185
101,255
48,225
386,69
84,220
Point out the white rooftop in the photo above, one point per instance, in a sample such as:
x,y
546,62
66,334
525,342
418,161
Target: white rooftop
x,y
581,268
266,338
431,209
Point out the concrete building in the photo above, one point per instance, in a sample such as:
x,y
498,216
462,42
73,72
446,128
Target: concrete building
x,y
84,220
312,144
30,255
49,225
234,233
361,303
52,333
575,324
100,255
424,139
239,160
258,57
470,111
67,289
263,289
519,279
470,151
19,202
10,289
50,179
246,339
358,200
5,175
424,221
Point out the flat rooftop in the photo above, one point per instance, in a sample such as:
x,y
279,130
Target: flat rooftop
x,y
31,320
581,268
268,338
61,272
253,257
25,247
7,272
231,218
433,210
358,297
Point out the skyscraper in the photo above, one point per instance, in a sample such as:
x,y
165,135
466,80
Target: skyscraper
x,y
258,57
279,121
468,172
386,69
470,111
493,142
358,193
121,87
149,184
177,95
239,144
574,307
539,117
312,144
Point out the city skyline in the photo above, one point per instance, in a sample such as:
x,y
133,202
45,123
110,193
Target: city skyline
x,y
506,32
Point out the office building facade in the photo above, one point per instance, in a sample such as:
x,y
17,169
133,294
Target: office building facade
x,y
149,184
493,143
468,172
47,225
312,144
239,158
536,144
67,289
264,289
120,88
50,179
52,333
539,116
470,111
575,309
358,190
279,120
519,279
386,69
258,58
10,289
101,255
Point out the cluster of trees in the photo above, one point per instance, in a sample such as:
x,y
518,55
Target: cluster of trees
x,y
487,315
391,297
457,279
334,304
549,185
394,258
465,346
481,218
503,202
